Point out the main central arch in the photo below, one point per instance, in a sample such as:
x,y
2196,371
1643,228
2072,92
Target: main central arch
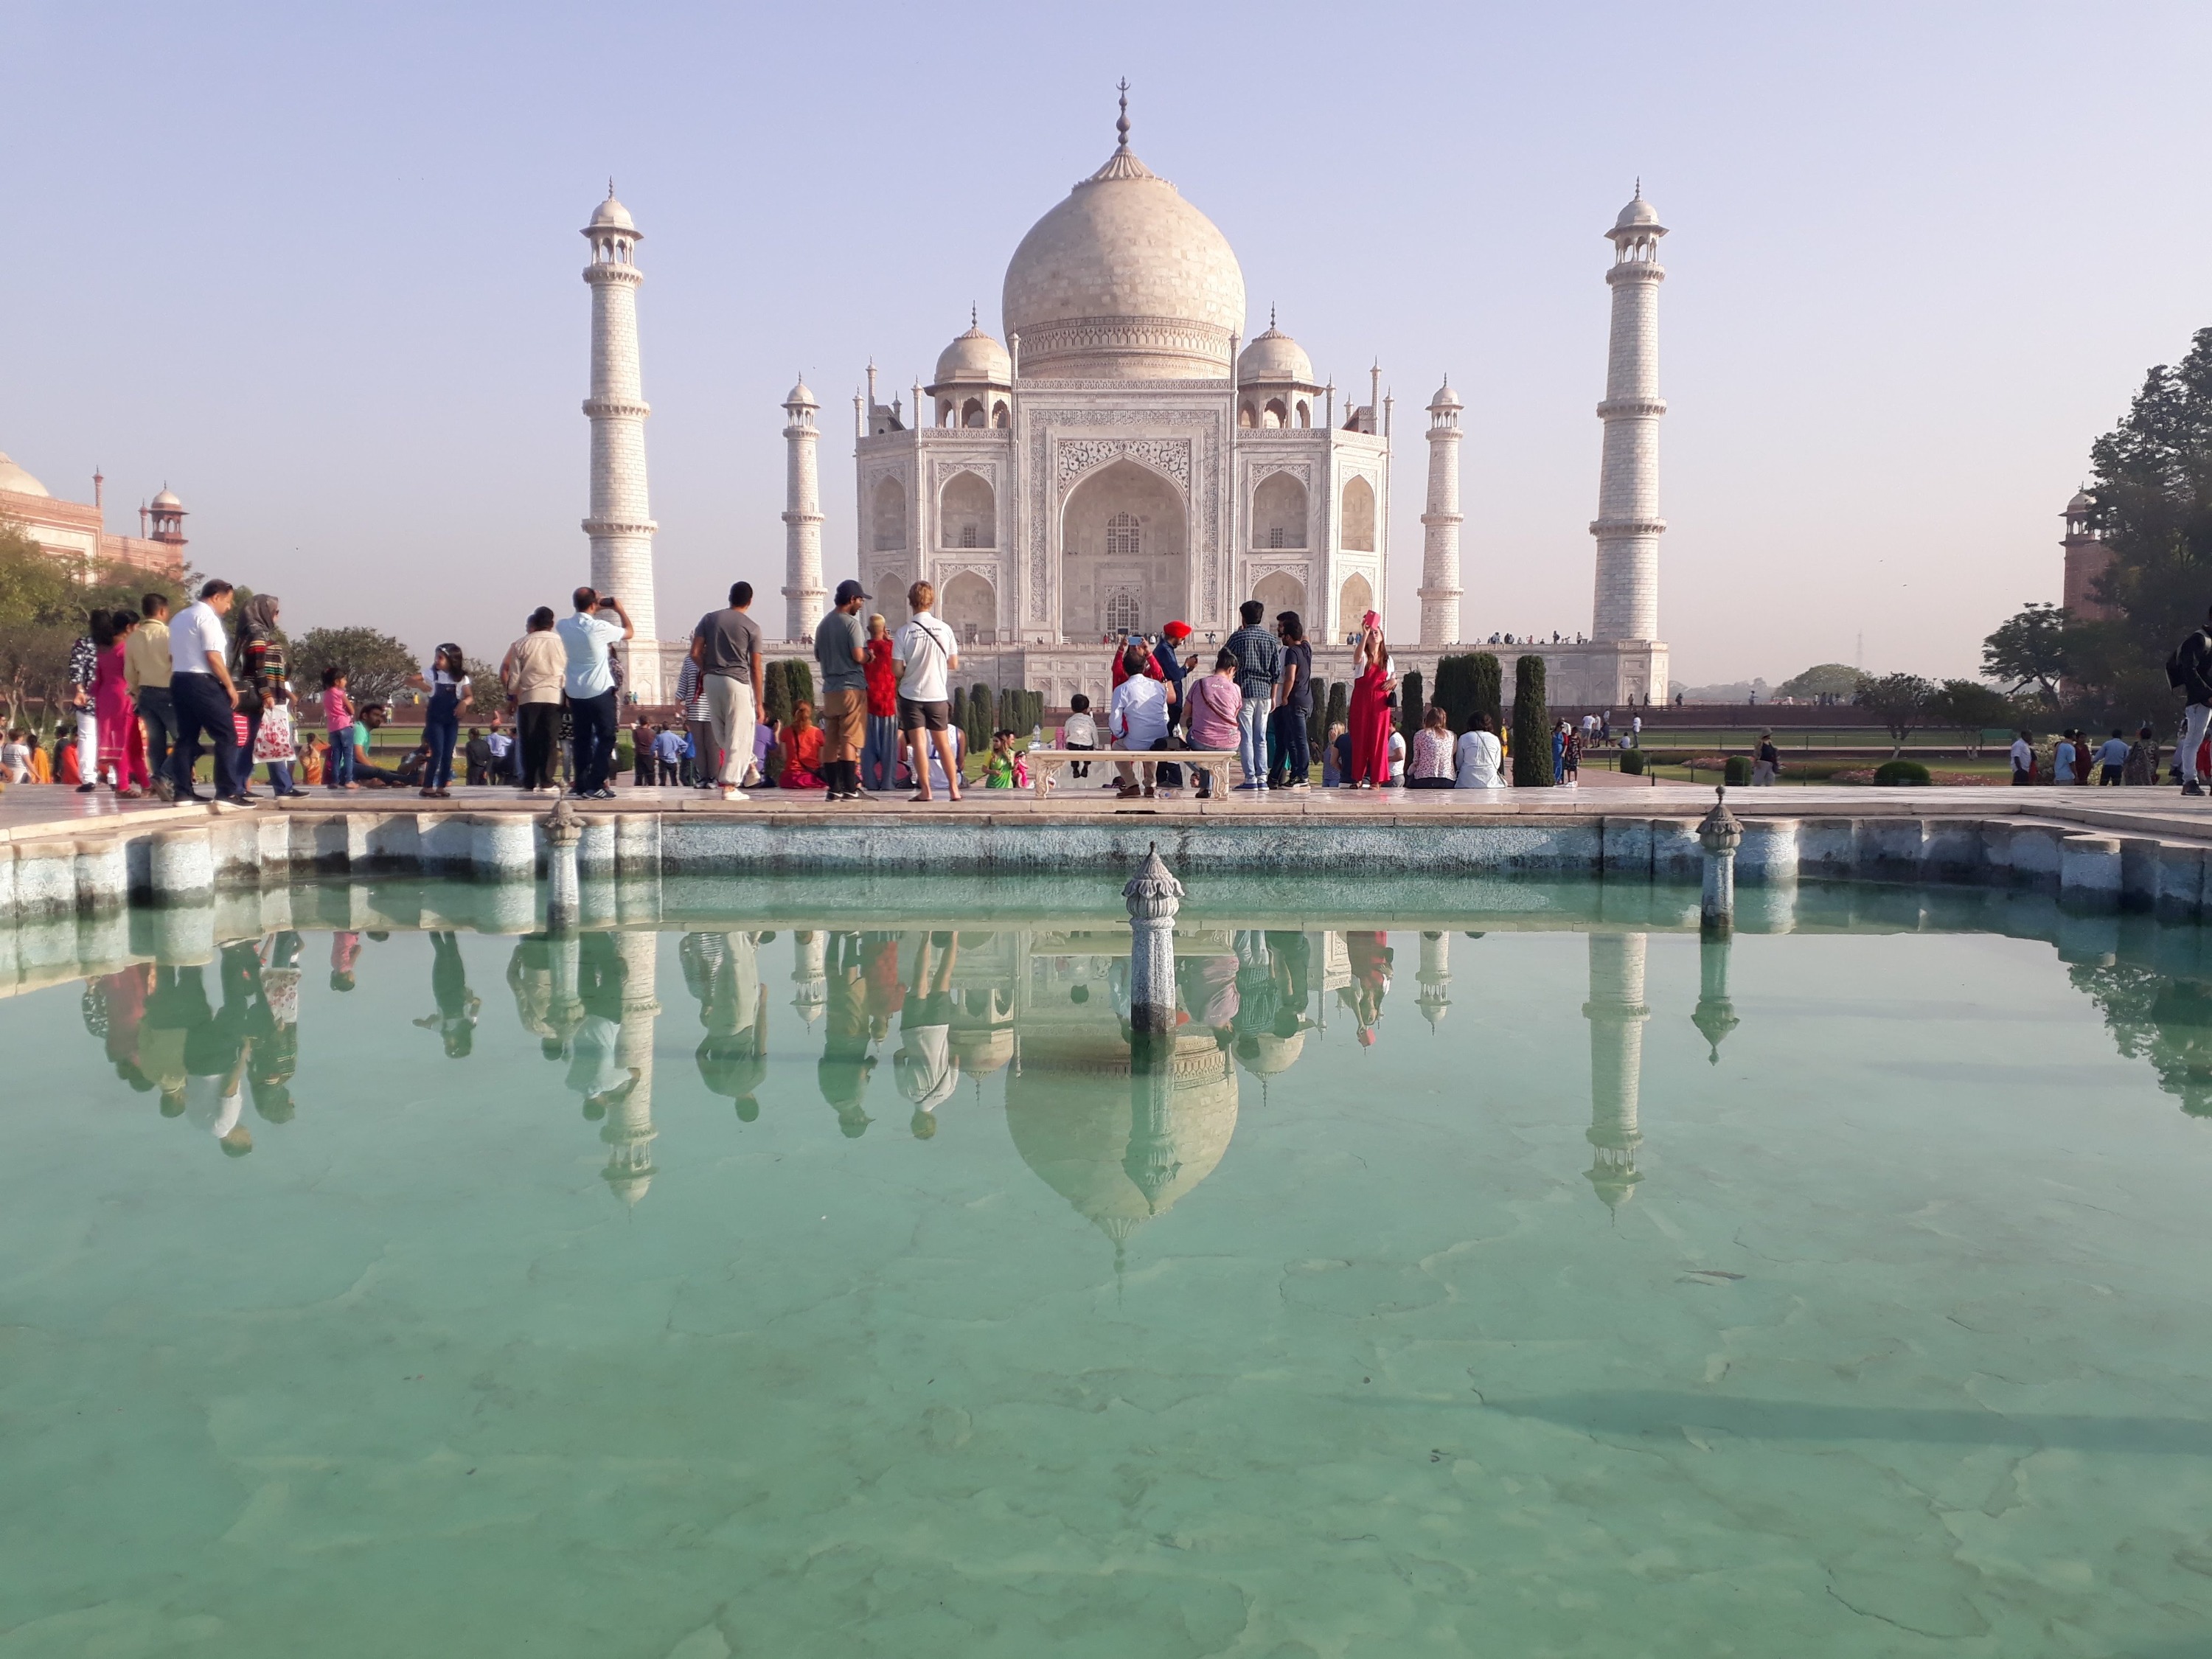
x,y
1125,553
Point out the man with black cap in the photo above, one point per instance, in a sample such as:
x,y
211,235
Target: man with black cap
x,y
839,647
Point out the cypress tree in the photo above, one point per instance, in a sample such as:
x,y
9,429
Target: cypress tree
x,y
798,682
776,688
1339,709
977,726
1532,725
1451,688
1411,708
1486,689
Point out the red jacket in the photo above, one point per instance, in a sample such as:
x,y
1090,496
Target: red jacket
x,y
883,678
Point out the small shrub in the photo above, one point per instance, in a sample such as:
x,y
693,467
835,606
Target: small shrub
x,y
1900,772
1738,771
1631,761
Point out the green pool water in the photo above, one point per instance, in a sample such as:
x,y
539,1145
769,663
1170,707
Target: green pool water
x,y
1496,1277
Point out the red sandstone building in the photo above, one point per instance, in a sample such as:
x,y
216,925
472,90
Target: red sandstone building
x,y
73,532
2086,560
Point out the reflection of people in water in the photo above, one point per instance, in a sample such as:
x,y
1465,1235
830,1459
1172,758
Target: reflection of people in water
x,y
176,1005
274,1031
1209,986
723,971
120,1000
458,1005
846,1063
879,955
530,981
927,1069
214,1051
345,950
1371,957
595,1070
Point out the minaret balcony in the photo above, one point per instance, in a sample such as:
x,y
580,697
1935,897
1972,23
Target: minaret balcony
x,y
1628,526
1613,407
635,408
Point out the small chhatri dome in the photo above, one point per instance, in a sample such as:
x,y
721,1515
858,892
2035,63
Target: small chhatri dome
x,y
167,499
799,398
974,359
1446,397
13,477
1274,356
612,215
2080,503
1638,213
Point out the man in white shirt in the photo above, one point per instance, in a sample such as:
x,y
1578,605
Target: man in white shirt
x,y
205,699
589,638
2023,759
925,655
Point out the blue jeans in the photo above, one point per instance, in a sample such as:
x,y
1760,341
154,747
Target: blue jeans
x,y
880,759
280,776
594,720
201,707
338,771
1252,737
442,727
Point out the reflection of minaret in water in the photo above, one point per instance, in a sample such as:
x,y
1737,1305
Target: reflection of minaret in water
x,y
809,973
1150,1161
1715,1017
628,1130
1434,997
1616,1015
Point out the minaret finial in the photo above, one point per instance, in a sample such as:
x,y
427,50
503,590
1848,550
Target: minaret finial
x,y
1270,313
610,187
1121,126
972,322
1639,186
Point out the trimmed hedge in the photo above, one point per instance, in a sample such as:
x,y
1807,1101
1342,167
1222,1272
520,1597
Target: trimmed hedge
x,y
1631,761
1904,772
1411,705
1737,771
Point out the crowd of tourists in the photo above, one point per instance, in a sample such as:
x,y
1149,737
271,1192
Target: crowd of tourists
x,y
153,694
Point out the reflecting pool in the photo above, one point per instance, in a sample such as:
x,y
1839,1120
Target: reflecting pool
x,y
778,1270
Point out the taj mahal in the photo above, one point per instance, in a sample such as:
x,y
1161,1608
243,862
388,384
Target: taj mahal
x,y
1127,457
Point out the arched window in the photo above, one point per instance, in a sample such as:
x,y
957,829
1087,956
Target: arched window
x,y
1248,415
1359,516
1001,416
971,412
1120,611
967,511
1305,413
1278,511
1276,415
1122,541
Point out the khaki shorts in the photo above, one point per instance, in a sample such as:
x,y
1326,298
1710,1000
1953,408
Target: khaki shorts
x,y
844,724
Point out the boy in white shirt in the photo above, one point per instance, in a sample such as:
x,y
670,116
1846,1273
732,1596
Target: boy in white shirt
x,y
1078,732
925,655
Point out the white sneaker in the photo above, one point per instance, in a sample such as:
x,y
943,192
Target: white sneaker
x,y
731,791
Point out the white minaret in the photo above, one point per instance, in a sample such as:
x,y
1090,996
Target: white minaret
x,y
1440,588
1628,526
1616,1012
621,526
803,598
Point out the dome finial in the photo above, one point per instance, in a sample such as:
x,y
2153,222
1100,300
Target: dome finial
x,y
1639,186
972,321
1270,313
1121,126
610,187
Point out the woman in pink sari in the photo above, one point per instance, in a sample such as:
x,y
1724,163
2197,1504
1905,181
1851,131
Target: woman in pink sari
x,y
122,745
1369,718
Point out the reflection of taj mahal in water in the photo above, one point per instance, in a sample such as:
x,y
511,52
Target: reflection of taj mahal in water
x,y
1125,457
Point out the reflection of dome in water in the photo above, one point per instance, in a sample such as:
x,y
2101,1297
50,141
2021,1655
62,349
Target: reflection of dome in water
x,y
983,1051
1071,1113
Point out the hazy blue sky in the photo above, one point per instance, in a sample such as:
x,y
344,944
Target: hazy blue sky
x,y
318,269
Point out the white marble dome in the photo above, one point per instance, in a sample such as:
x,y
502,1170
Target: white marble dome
x,y
1637,212
167,499
613,215
13,477
800,397
1274,358
1125,280
974,359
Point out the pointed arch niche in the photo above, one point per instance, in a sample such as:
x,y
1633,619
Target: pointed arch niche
x,y
1357,517
968,512
1124,544
1278,511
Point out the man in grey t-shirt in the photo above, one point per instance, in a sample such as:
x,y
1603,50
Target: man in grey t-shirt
x,y
726,646
840,640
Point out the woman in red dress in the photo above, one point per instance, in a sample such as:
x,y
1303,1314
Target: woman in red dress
x,y
121,759
1369,718
802,750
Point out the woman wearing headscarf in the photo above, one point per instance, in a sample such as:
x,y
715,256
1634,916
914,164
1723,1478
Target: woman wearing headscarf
x,y
1371,720
257,666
